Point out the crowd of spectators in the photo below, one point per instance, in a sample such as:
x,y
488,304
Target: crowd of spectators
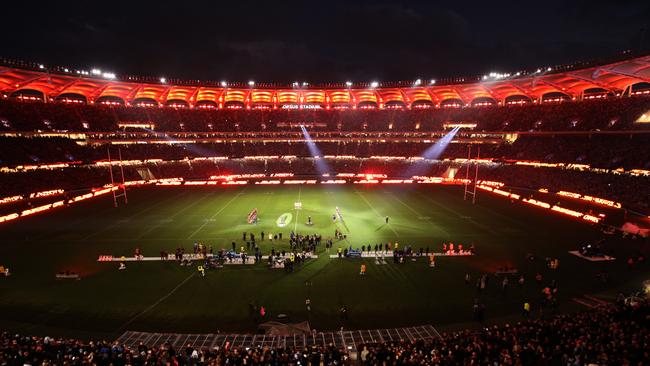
x,y
610,152
607,335
632,191
612,335
604,114
625,150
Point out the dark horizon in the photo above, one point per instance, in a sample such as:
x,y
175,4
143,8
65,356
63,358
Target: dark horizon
x,y
360,41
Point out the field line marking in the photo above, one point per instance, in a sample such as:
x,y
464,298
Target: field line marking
x,y
373,208
471,220
216,213
155,303
295,225
174,215
149,207
414,211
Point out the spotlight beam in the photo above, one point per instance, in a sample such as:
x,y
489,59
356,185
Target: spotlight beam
x,y
315,152
431,153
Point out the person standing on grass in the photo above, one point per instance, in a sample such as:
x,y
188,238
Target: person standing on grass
x,y
363,269
526,308
387,219
344,312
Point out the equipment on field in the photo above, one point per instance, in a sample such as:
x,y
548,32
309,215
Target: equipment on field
x,y
471,190
354,253
252,217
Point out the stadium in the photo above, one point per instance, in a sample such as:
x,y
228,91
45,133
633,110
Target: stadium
x,y
493,219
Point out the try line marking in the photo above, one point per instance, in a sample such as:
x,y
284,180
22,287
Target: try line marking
x,y
295,225
215,214
376,213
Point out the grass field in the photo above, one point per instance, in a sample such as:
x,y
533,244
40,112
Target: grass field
x,y
156,296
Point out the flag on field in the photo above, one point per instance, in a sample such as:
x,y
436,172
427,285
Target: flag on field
x,y
252,216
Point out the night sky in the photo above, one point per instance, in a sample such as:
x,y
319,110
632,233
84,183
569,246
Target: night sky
x,y
316,41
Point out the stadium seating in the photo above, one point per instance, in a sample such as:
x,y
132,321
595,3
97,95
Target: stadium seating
x,y
608,335
589,115
70,142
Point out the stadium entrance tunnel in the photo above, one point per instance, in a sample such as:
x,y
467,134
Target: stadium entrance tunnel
x,y
144,102
367,105
110,100
206,104
234,104
71,98
422,104
483,102
177,103
28,94
452,103
555,97
395,104
517,99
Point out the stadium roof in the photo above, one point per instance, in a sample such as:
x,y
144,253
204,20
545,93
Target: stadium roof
x,y
614,77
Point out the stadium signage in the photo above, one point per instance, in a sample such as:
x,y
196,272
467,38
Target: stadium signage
x,y
545,205
150,126
268,182
9,217
284,219
297,181
302,106
236,176
536,203
567,211
459,125
282,175
598,200
11,199
366,181
235,183
397,181
201,182
580,167
333,181
46,193
489,186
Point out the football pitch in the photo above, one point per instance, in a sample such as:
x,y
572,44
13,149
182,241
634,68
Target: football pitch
x,y
164,296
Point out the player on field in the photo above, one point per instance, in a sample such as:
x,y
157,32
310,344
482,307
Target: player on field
x,y
363,269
